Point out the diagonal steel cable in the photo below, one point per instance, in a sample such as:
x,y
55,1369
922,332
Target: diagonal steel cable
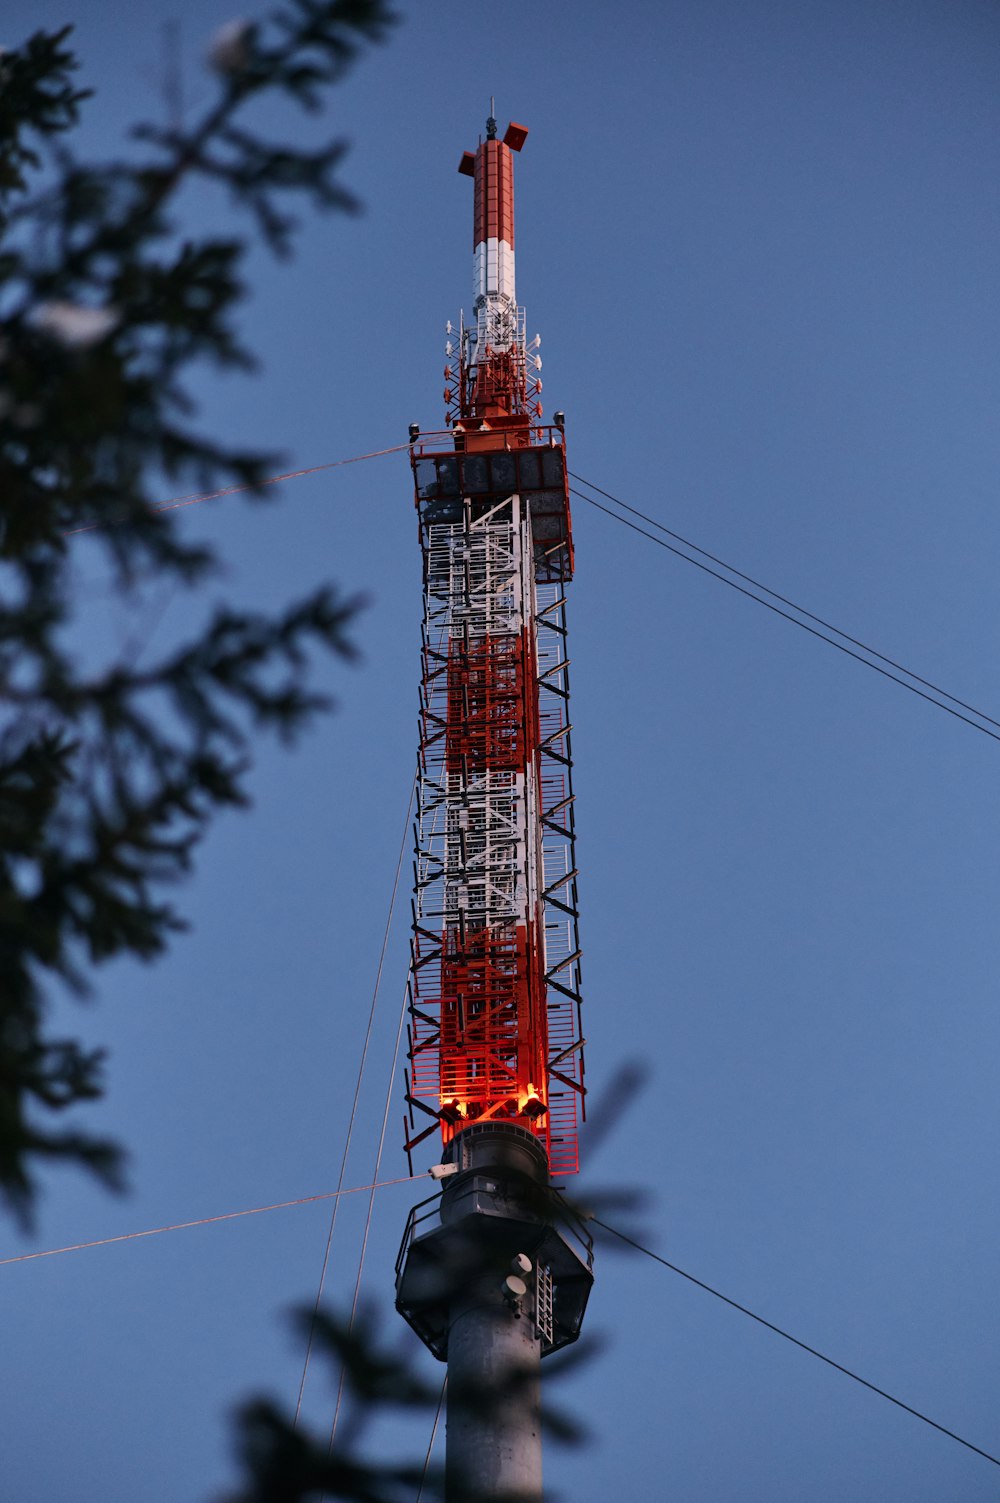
x,y
354,1107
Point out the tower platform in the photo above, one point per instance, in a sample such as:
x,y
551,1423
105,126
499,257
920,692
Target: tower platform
x,y
496,1205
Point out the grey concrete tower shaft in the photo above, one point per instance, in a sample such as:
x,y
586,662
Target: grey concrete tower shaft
x,y
494,1440
493,1274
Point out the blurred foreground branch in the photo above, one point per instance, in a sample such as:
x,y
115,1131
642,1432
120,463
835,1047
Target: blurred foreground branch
x,y
110,774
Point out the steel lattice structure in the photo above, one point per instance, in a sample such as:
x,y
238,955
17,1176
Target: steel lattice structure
x,y
495,999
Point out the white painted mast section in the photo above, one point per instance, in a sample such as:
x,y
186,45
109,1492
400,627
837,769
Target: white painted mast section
x,y
494,298
493,274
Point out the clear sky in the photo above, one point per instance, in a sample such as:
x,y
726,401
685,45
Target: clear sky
x,y
760,241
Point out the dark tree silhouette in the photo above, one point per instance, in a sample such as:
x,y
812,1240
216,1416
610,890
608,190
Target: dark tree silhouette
x,y
111,772
282,1461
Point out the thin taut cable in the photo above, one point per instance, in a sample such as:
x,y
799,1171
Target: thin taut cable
x,y
786,616
430,1445
371,1203
810,615
856,1377
196,497
180,1226
354,1106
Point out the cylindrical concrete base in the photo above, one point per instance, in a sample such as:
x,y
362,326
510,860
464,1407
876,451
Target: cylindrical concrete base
x,y
494,1448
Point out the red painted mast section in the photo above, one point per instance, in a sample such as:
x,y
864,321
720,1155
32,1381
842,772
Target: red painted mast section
x,y
495,1027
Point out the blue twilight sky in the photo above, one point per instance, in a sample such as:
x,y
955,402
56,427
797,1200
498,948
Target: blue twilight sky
x,y
760,242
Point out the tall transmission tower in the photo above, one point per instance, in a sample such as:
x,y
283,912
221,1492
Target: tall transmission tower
x,y
494,1271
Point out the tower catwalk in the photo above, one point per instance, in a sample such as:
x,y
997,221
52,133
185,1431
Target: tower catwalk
x,y
494,1272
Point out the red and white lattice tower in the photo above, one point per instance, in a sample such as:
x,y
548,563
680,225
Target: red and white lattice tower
x,y
495,1271
495,1005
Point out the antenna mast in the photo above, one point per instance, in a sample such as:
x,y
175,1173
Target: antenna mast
x,y
494,1272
